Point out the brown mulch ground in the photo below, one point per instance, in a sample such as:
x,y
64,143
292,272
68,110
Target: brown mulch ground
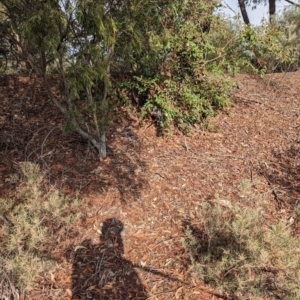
x,y
140,195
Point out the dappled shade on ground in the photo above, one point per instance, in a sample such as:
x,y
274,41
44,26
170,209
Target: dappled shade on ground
x,y
31,129
283,173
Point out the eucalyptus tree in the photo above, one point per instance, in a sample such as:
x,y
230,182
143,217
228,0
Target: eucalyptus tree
x,y
83,41
88,41
254,3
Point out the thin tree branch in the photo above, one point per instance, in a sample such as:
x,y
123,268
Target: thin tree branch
x,y
8,222
293,3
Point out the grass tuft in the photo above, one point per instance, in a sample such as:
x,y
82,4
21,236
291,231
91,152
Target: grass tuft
x,y
242,254
29,224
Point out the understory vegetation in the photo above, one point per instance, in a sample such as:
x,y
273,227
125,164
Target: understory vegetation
x,y
242,254
32,221
191,72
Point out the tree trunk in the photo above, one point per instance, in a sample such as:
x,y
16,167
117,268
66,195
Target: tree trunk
x,y
100,144
272,9
244,11
102,150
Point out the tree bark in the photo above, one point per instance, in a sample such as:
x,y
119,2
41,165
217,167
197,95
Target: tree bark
x,y
244,12
102,149
272,9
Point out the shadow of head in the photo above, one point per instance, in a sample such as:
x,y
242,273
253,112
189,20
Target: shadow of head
x,y
112,228
111,234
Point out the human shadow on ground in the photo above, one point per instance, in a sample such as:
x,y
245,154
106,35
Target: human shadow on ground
x,y
101,271
283,174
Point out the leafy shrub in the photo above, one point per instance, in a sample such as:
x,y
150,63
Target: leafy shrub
x,y
289,23
29,224
297,212
187,81
265,47
189,74
242,254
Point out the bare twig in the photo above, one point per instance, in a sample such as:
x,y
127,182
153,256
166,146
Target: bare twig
x,y
293,3
162,293
219,155
156,272
43,144
250,100
186,145
161,175
7,221
34,135
6,283
213,293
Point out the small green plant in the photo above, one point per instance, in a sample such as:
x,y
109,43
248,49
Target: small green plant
x,y
265,48
189,83
192,66
242,254
297,211
29,224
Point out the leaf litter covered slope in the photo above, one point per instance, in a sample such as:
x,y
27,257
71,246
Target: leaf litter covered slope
x,y
149,185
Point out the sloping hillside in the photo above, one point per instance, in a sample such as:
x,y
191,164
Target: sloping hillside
x,y
149,185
